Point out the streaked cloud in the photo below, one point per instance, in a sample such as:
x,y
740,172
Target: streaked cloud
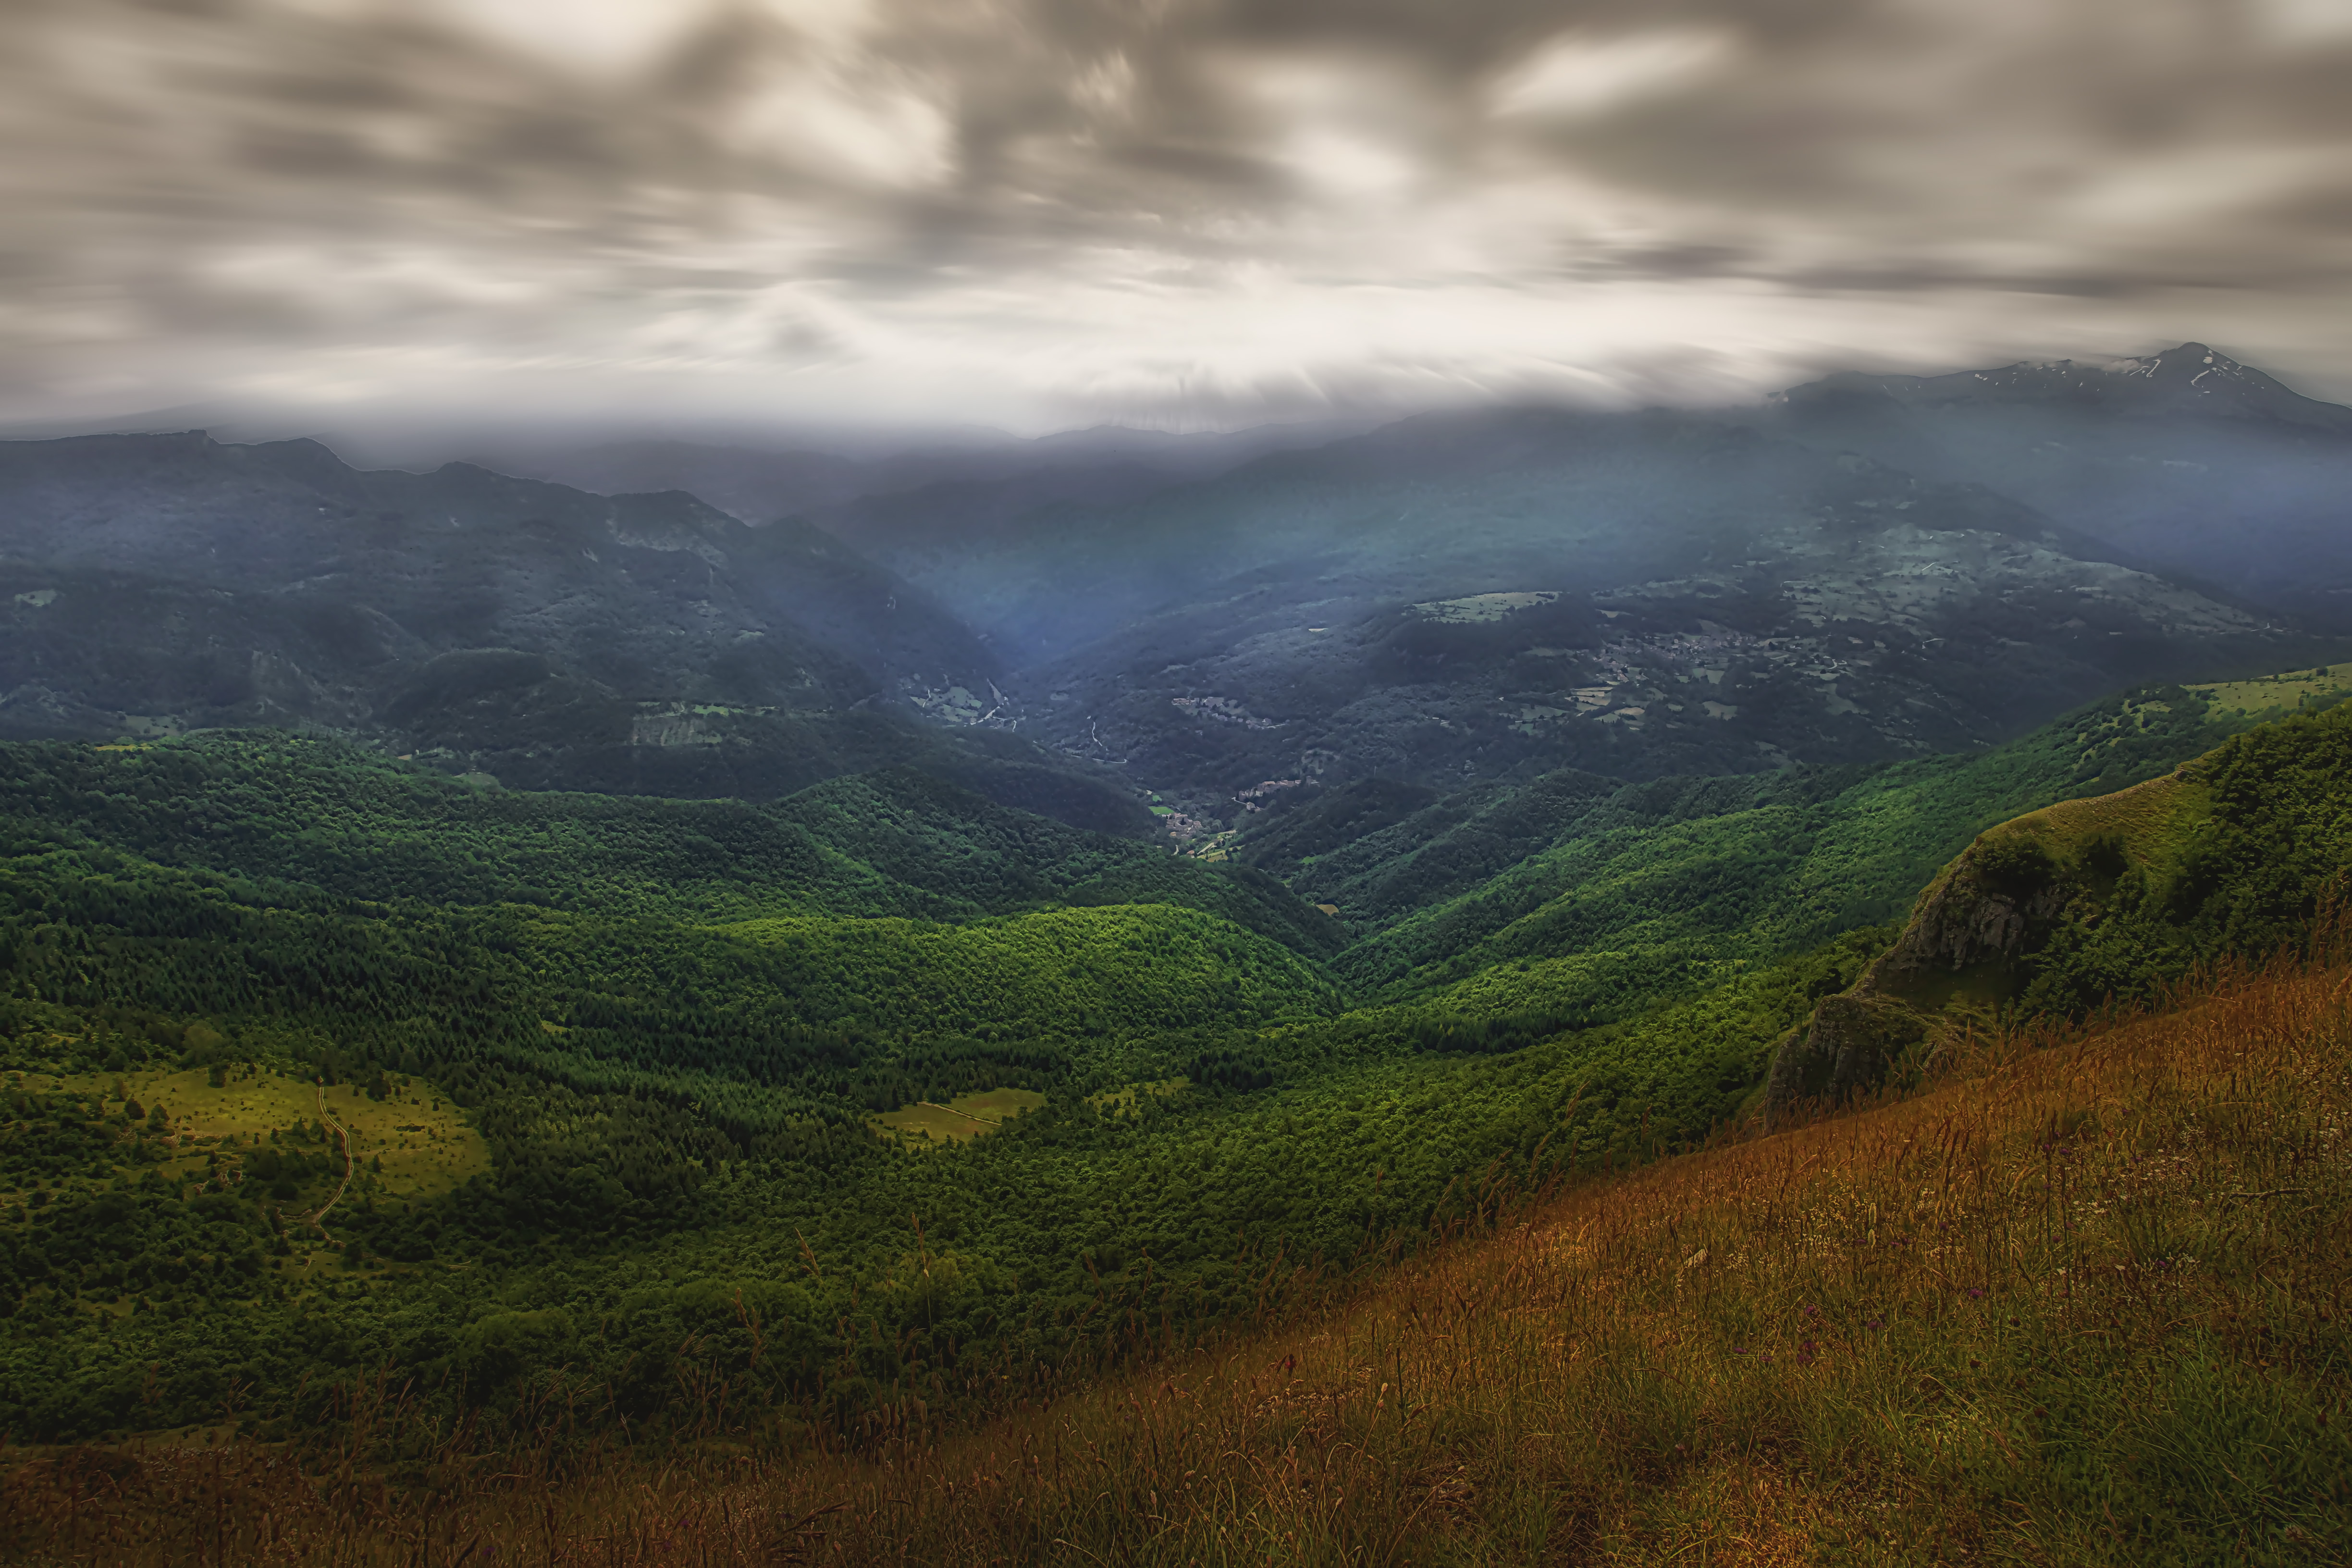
x,y
1042,212
1578,74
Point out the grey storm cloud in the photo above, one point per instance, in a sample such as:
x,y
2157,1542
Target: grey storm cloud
x,y
1027,211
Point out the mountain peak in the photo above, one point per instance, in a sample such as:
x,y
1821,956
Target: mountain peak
x,y
2197,378
2193,378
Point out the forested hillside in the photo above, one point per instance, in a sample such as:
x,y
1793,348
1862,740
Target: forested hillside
x,y
638,644
352,822
2254,844
662,1027
1586,899
2089,903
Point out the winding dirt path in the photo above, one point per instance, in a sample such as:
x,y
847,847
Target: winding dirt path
x,y
343,1133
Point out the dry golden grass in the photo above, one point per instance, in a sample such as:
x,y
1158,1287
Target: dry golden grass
x,y
2081,1301
999,1103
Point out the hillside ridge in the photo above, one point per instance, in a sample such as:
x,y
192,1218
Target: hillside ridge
x,y
2031,914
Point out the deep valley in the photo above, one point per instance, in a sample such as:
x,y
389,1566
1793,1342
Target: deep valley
x,y
496,969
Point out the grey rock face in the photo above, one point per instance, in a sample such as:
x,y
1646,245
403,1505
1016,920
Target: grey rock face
x,y
1853,1041
1988,907
1965,919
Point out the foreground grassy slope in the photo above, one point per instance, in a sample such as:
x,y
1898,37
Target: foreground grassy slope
x,y
2080,1301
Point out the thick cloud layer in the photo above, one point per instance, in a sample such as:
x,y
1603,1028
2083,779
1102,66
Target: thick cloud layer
x,y
1036,212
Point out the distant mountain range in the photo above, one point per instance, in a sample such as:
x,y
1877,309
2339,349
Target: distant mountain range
x,y
2184,462
1863,569
1847,574
539,635
843,489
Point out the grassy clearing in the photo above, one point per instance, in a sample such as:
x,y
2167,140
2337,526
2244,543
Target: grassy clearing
x,y
2145,819
2080,1302
998,1104
423,1144
2272,695
959,1120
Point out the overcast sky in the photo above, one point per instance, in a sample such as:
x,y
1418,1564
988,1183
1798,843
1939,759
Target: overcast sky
x,y
1035,214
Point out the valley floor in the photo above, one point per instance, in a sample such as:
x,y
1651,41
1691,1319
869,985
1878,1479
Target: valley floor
x,y
2081,1300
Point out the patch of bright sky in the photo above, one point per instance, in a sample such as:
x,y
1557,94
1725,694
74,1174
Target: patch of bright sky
x,y
1577,74
596,36
2289,23
869,132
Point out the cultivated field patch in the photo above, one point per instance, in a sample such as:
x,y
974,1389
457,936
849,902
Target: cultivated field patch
x,y
423,1142
966,1117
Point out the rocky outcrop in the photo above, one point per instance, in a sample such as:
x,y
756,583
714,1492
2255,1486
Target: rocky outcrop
x,y
1996,896
1852,1041
1990,906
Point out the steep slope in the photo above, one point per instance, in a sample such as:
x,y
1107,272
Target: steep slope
x,y
1910,1379
2186,462
644,644
2243,852
1578,900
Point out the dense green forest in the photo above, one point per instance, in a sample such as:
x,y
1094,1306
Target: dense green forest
x,y
2245,857
349,820
667,1022
1585,900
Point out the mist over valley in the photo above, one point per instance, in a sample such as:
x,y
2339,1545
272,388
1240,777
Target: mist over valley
x,y
1533,782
